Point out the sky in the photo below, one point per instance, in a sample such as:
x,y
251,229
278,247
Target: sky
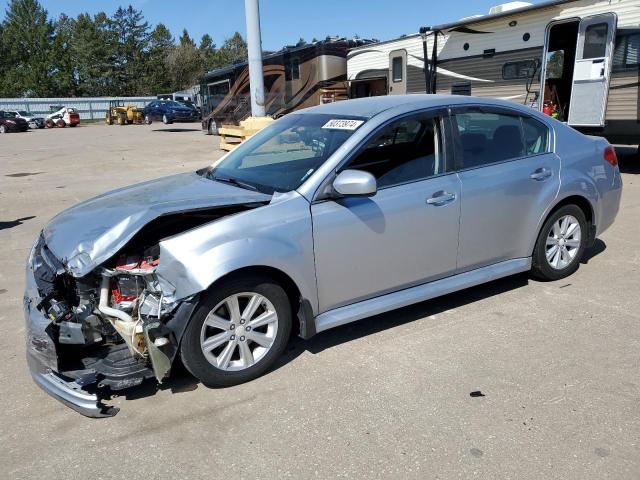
x,y
283,22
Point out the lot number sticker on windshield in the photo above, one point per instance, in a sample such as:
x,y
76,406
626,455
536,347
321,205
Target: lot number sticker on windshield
x,y
338,124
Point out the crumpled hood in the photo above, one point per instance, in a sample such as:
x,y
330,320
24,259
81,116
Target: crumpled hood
x,y
89,233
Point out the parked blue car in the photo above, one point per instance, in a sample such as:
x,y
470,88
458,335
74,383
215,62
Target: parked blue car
x,y
169,111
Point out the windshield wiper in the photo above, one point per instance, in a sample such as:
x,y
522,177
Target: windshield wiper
x,y
234,181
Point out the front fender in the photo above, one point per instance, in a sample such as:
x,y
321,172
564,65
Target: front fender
x,y
277,236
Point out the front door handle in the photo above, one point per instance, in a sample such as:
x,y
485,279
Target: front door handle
x,y
541,174
441,198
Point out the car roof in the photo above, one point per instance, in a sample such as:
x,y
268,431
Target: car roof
x,y
372,106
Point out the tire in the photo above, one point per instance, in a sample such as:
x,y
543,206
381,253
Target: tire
x,y
166,120
147,120
3,129
553,264
60,123
48,123
212,128
237,370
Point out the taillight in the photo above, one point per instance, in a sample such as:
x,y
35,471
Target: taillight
x,y
610,155
327,97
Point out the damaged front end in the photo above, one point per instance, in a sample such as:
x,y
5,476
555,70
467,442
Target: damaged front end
x,y
110,329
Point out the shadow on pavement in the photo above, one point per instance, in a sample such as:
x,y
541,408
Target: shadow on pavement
x,y
628,159
176,130
15,223
182,381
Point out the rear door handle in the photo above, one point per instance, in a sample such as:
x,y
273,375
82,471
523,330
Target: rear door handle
x,y
540,174
441,198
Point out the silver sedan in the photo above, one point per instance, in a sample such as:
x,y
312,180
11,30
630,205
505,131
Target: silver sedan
x,y
327,216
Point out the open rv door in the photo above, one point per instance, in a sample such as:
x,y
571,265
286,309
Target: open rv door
x,y
592,70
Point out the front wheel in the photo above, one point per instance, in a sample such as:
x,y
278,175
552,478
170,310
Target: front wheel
x,y
3,129
237,332
60,123
561,244
166,120
147,120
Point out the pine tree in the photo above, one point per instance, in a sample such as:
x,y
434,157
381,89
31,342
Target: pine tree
x,y
161,44
232,51
207,52
132,34
27,38
93,51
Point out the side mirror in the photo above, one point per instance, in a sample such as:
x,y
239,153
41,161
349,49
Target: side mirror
x,y
350,183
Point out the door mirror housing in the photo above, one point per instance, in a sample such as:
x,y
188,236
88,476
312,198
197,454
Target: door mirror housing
x,y
355,183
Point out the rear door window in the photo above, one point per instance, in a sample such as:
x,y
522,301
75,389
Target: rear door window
x,y
487,137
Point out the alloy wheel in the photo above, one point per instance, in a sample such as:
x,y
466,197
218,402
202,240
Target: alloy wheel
x,y
239,331
563,242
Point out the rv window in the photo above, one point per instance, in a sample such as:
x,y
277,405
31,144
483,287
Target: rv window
x,y
396,67
555,64
519,69
627,51
633,49
405,151
595,41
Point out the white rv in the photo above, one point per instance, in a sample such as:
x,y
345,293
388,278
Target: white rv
x,y
578,60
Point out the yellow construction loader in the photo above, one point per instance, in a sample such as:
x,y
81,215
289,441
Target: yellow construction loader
x,y
122,114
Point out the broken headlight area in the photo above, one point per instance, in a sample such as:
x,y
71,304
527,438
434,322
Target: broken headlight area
x,y
109,328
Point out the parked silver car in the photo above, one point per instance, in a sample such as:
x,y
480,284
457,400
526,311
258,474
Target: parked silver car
x,y
327,216
32,121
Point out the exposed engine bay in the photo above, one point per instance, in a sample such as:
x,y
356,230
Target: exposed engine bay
x,y
113,327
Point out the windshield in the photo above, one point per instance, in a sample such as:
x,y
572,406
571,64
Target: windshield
x,y
284,154
173,104
23,113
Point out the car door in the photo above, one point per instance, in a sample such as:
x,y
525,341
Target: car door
x,y
508,175
404,235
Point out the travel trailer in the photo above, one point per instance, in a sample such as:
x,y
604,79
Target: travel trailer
x,y
295,77
577,60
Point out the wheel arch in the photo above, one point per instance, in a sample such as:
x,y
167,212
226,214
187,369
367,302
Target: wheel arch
x,y
581,202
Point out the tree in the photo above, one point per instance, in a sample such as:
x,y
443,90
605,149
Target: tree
x,y
64,80
185,63
27,38
161,44
132,34
207,52
232,51
93,52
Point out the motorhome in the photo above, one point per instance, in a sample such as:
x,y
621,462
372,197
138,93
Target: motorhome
x,y
296,77
577,60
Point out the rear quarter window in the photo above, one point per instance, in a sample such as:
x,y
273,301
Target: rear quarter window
x,y
536,136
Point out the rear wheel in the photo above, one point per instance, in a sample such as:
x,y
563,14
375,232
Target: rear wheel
x,y
60,123
561,244
212,127
237,332
147,120
48,123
